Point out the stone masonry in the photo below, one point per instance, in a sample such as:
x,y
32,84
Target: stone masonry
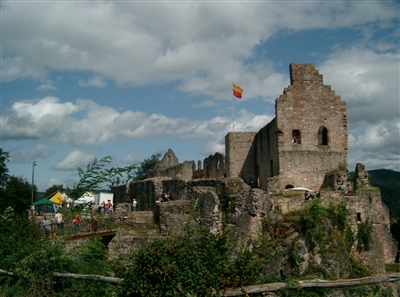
x,y
304,145
306,139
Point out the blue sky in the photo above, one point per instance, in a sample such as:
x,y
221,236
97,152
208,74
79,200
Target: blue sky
x,y
83,80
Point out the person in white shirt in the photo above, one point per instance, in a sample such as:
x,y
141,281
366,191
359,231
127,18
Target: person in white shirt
x,y
58,218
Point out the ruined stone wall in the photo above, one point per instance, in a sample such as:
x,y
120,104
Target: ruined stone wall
x,y
368,204
307,169
240,155
245,207
176,187
363,205
309,112
121,193
214,167
266,143
339,180
146,192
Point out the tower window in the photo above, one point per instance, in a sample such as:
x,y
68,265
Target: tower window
x,y
322,136
296,136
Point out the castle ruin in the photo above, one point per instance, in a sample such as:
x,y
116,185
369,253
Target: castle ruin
x,y
304,145
306,139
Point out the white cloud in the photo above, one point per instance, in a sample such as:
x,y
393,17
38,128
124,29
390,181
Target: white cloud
x,y
96,81
21,155
48,183
376,145
87,123
367,80
47,85
74,159
131,159
161,42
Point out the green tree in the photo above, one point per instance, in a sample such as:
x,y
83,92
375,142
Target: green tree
x,y
54,189
17,194
96,174
146,165
3,168
193,263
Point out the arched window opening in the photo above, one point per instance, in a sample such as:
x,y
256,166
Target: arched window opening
x,y
296,136
168,158
323,136
218,163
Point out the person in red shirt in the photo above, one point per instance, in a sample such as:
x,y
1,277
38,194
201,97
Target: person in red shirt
x,y
76,220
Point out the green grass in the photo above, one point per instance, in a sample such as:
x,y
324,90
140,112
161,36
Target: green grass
x,y
392,267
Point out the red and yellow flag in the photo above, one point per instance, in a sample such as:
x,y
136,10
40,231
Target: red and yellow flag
x,y
237,91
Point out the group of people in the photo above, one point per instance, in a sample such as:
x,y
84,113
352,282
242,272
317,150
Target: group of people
x,y
165,197
58,219
106,207
310,196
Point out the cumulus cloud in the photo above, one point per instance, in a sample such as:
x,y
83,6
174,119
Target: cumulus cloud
x,y
148,43
21,155
74,159
367,80
48,183
86,123
106,45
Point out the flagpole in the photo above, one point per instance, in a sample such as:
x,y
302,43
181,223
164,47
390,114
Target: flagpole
x,y
233,113
237,92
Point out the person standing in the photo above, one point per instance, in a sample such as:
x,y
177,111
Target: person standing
x,y
76,220
110,207
46,223
58,217
95,224
134,205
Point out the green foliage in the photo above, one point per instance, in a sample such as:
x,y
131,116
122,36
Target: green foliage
x,y
54,189
337,214
17,194
96,174
194,262
311,224
392,267
33,261
313,292
364,235
4,157
388,183
357,269
145,166
349,238
22,237
370,291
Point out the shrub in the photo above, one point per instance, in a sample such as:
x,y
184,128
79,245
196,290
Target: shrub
x,y
364,235
195,262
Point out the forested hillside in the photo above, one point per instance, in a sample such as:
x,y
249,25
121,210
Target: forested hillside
x,y
388,182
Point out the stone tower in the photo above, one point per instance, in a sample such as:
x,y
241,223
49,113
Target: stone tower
x,y
306,139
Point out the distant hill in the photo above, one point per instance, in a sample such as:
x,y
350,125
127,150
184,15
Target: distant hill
x,y
388,181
